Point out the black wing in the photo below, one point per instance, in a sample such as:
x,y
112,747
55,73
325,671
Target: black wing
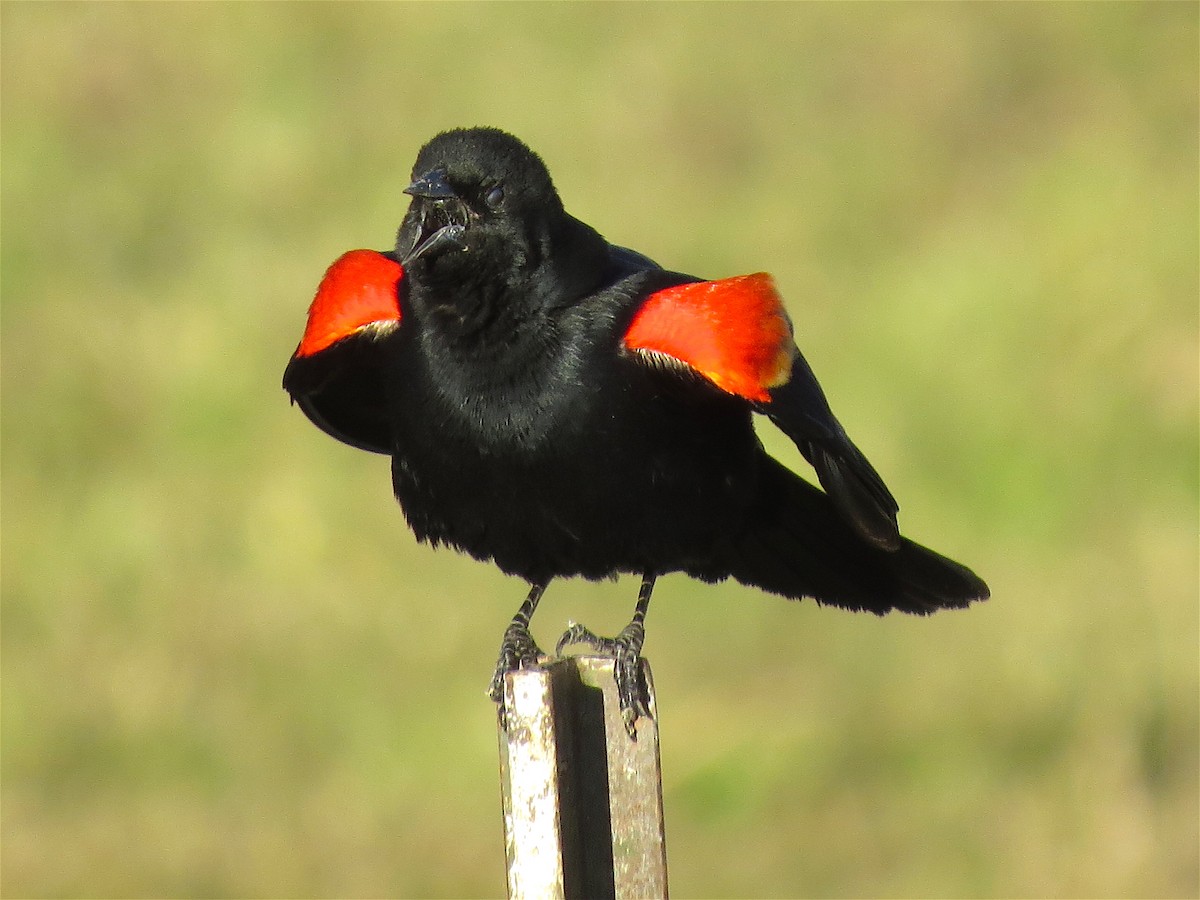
x,y
341,392
800,410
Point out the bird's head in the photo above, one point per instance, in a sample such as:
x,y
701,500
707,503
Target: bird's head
x,y
483,209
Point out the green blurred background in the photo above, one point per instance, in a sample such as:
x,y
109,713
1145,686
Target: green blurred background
x,y
228,670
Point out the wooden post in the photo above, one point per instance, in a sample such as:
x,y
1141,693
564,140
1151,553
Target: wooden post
x,y
582,801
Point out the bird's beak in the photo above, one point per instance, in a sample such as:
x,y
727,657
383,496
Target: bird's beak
x,y
432,186
441,219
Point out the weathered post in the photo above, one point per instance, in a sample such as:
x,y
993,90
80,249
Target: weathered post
x,y
582,801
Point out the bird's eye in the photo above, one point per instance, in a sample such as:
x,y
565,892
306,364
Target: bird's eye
x,y
494,197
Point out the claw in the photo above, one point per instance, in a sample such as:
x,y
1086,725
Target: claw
x,y
518,650
626,651
581,634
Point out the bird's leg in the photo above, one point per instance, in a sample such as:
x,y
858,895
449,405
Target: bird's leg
x,y
626,651
518,650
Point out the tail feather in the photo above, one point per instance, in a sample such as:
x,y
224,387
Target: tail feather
x,y
800,547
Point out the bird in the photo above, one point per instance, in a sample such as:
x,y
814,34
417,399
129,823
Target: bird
x,y
561,406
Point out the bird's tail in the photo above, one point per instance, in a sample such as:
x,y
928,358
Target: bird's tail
x,y
798,546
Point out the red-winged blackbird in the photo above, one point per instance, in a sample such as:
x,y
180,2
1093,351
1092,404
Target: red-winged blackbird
x,y
563,406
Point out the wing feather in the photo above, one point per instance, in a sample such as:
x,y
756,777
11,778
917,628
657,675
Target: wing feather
x,y
735,333
333,376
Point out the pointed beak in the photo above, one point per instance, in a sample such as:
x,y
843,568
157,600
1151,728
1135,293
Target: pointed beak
x,y
448,236
432,186
438,218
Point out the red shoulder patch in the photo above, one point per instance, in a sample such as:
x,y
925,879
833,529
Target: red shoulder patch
x,y
735,332
360,290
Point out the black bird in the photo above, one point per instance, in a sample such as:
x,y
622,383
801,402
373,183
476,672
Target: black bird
x,y
562,406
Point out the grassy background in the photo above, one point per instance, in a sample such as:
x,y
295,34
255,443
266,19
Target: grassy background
x,y
229,671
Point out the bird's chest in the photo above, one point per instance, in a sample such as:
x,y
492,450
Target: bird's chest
x,y
492,401
567,464
480,437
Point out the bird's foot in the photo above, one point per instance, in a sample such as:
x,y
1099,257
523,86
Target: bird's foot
x,y
626,651
518,650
